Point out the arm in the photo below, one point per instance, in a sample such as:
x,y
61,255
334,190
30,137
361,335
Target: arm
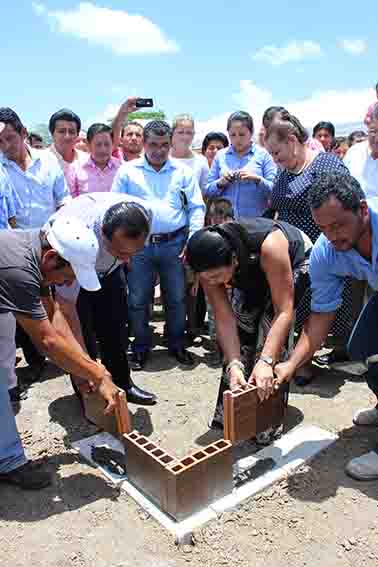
x,y
118,123
195,205
269,173
314,333
226,329
60,346
204,177
216,183
275,261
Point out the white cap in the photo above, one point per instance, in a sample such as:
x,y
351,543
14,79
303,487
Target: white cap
x,y
76,243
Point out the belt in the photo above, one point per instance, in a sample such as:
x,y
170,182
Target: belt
x,y
165,236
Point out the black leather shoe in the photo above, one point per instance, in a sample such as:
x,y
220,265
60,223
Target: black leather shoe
x,y
138,360
136,395
28,477
183,356
17,395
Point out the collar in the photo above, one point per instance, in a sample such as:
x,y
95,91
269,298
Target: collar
x,y
169,164
110,165
231,150
60,157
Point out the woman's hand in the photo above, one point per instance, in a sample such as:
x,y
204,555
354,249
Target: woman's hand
x,y
237,379
245,175
263,378
228,177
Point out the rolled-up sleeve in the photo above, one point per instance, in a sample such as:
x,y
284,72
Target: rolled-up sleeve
x,y
195,205
326,287
269,171
212,189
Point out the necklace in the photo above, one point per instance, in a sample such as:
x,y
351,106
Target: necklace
x,y
300,170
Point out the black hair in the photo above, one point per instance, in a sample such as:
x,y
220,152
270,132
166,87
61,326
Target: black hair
x,y
64,114
158,128
131,217
271,113
323,125
216,246
220,207
356,134
338,141
241,116
342,185
9,116
131,123
376,87
33,135
214,136
98,128
286,124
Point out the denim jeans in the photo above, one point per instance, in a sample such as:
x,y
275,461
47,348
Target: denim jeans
x,y
163,259
11,451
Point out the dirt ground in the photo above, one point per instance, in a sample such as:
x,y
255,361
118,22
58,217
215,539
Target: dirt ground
x,y
317,518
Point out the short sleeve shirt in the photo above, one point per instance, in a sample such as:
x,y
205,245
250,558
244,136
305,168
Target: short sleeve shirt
x,y
21,282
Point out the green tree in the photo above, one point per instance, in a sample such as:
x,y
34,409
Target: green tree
x,y
42,130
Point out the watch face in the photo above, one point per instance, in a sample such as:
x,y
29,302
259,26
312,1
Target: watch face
x,y
267,359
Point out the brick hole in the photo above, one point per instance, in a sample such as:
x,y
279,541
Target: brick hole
x,y
149,447
199,455
177,468
221,444
158,453
210,450
187,461
141,441
133,435
166,459
238,391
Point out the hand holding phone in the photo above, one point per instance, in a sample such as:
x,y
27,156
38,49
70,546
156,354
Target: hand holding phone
x,y
144,103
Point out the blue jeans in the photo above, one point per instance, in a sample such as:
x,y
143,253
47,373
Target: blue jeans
x,y
162,259
11,452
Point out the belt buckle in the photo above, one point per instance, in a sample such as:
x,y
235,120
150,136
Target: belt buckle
x,y
155,238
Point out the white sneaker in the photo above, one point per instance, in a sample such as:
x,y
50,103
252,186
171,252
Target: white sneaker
x,y
366,417
364,467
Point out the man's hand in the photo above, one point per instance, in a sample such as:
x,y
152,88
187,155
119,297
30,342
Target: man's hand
x,y
109,392
245,175
128,106
262,377
237,379
283,373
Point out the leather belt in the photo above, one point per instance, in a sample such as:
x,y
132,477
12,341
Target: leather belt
x,y
165,236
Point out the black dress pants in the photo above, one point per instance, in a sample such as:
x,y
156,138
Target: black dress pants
x,y
103,318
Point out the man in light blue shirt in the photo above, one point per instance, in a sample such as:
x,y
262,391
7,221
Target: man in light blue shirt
x,y
35,174
172,190
243,172
347,247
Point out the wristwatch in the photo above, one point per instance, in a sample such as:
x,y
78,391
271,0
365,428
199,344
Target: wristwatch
x,y
267,359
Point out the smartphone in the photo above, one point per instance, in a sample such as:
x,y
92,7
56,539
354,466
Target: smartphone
x,y
144,102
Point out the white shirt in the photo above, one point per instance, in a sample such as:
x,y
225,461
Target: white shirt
x,y
198,164
363,167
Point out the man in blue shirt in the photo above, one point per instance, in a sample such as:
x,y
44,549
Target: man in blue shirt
x,y
9,201
173,191
40,184
347,247
35,174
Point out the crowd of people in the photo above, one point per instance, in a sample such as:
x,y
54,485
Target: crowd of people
x,y
266,232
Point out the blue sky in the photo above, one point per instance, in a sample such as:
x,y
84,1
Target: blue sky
x,y
209,58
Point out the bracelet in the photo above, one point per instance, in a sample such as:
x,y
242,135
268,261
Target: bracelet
x,y
235,362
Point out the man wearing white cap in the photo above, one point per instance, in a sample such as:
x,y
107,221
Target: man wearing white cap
x,y
30,262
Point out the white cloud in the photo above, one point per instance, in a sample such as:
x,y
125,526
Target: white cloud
x,y
117,30
353,46
342,107
293,51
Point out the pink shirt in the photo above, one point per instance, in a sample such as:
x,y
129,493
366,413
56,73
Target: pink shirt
x,y
88,178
